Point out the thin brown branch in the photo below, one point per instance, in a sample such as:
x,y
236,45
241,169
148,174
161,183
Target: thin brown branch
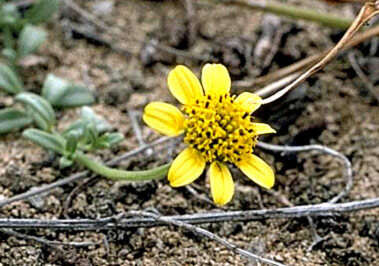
x,y
368,11
366,81
305,63
200,197
47,242
191,21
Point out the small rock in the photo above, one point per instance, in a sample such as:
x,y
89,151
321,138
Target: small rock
x,y
37,201
103,8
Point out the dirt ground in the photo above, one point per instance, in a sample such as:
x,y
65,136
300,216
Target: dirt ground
x,y
333,108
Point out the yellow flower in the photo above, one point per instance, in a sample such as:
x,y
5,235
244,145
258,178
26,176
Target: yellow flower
x,y
218,129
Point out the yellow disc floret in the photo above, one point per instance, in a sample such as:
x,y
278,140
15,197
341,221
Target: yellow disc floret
x,y
219,128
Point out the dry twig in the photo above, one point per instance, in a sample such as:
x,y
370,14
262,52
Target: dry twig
x,y
47,242
321,149
133,115
200,197
369,10
303,64
366,81
114,222
191,21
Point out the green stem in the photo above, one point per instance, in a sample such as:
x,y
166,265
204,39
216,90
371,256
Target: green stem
x,y
116,174
325,19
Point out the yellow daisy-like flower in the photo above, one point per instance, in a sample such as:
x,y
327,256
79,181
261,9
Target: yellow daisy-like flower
x,y
218,129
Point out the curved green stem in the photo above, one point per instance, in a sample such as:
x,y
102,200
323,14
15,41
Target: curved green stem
x,y
116,174
291,11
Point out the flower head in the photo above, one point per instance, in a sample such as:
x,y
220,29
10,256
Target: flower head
x,y
218,129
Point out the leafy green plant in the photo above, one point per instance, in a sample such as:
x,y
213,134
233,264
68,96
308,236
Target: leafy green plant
x,y
89,133
56,92
21,37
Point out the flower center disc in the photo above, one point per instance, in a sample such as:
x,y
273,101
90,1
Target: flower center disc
x,y
219,129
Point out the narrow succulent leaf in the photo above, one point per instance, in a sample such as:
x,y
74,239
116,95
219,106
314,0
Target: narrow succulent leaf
x,y
89,116
53,88
78,126
72,142
74,96
12,119
108,140
65,162
9,14
9,54
42,11
31,38
61,93
91,133
113,138
9,80
48,141
41,109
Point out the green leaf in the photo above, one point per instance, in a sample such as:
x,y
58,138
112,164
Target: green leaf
x,y
78,126
9,14
11,119
89,116
53,142
42,11
89,128
61,93
53,88
41,110
9,80
108,140
9,54
72,142
31,37
91,133
75,96
65,162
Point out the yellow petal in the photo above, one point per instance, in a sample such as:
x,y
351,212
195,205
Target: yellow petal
x,y
184,85
164,118
215,79
222,185
249,101
257,170
186,168
261,128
